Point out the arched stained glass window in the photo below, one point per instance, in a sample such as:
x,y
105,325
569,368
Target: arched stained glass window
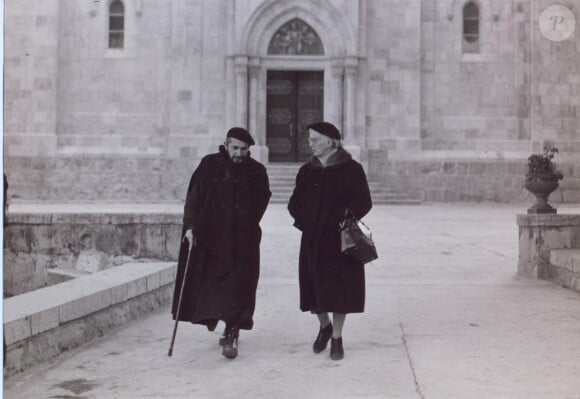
x,y
470,28
295,37
116,24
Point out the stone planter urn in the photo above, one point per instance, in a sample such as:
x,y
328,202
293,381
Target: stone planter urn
x,y
542,180
542,190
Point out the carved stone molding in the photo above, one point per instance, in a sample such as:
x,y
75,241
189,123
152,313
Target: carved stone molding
x,y
350,66
241,65
337,70
253,71
295,37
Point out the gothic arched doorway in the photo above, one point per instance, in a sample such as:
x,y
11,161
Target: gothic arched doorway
x,y
308,45
294,99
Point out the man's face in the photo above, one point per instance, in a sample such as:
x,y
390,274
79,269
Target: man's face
x,y
319,143
237,149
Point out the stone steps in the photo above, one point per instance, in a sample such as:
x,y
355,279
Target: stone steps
x,y
566,258
283,178
565,267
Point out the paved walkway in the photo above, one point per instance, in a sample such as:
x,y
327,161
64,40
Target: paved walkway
x,y
446,317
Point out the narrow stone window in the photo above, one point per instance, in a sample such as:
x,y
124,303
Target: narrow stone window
x,y
116,24
470,28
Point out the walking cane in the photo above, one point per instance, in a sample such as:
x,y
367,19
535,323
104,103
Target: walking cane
x,y
179,301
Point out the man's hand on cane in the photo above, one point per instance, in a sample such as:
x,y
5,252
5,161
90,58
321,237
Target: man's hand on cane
x,y
189,237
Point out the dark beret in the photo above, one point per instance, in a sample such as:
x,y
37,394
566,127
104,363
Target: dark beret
x,y
325,128
241,134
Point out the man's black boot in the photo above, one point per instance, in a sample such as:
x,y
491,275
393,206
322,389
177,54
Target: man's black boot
x,y
230,348
322,339
222,340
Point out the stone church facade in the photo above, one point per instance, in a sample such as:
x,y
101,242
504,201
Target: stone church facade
x,y
117,100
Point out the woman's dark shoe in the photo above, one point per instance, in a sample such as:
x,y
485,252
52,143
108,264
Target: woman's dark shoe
x,y
322,339
336,350
230,348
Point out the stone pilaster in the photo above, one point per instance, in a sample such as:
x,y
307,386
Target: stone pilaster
x,y
351,69
349,128
337,73
253,73
241,65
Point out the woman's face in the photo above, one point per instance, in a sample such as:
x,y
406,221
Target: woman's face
x,y
319,143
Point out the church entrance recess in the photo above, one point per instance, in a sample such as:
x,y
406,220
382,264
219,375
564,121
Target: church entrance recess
x,y
294,100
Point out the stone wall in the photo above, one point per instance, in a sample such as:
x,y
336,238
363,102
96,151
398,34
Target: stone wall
x,y
99,178
556,80
31,64
392,84
538,236
470,102
438,180
42,324
35,243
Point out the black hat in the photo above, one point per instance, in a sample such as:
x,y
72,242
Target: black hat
x,y
325,128
241,134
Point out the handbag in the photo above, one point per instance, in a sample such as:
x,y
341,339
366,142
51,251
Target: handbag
x,y
356,239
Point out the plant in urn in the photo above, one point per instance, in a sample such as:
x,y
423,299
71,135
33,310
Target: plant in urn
x,y
542,179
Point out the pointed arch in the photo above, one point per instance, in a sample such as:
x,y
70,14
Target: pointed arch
x,y
295,37
335,33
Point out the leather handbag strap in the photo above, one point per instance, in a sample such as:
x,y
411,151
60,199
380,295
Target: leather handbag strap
x,y
348,212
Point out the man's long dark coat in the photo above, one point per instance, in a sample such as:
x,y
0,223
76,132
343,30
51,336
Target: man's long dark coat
x,y
329,280
224,205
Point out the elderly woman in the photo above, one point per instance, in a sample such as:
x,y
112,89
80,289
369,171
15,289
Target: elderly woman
x,y
328,184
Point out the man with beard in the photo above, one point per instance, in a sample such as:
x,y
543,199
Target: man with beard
x,y
226,199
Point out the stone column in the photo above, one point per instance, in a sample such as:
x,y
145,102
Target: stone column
x,y
230,90
260,150
337,99
351,68
253,72
348,131
242,92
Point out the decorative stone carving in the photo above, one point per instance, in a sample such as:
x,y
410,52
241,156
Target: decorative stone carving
x,y
337,70
242,70
253,71
295,37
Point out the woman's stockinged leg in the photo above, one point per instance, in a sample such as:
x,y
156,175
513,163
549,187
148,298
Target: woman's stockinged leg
x,y
324,319
336,349
338,322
